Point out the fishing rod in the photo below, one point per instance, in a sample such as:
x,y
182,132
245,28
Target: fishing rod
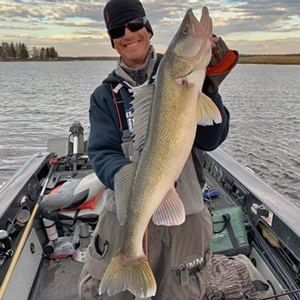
x,y
280,295
26,232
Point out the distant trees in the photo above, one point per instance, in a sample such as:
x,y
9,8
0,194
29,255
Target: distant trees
x,y
22,51
13,51
19,51
46,53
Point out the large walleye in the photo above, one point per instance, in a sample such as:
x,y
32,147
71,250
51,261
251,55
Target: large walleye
x,y
145,188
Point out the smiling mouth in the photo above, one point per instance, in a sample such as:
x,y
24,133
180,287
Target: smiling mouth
x,y
132,45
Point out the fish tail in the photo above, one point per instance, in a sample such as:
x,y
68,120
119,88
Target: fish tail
x,y
127,273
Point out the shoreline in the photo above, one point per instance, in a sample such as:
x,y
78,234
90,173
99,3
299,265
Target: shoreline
x,y
278,59
108,58
271,59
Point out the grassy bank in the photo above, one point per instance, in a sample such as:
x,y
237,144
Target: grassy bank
x,y
293,59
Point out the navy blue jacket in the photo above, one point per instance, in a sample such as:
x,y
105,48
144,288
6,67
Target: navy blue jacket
x,y
104,144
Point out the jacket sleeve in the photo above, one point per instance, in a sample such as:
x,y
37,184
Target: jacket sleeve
x,y
209,138
104,143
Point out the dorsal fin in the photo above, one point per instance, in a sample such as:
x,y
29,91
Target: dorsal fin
x,y
141,114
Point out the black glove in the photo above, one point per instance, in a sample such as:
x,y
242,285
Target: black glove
x,y
218,53
222,62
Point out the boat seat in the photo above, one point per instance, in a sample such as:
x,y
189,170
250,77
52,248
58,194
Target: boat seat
x,y
74,198
85,215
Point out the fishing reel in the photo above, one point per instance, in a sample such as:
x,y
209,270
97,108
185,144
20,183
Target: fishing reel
x,y
77,139
5,246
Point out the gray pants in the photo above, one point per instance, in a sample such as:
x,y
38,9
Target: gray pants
x,y
179,257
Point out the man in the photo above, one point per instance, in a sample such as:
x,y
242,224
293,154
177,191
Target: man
x,y
178,255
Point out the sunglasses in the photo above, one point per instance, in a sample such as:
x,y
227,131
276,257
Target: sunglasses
x,y
133,25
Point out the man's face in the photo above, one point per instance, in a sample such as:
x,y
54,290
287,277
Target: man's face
x,y
133,47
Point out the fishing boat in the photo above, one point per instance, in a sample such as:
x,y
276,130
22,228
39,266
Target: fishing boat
x,y
50,207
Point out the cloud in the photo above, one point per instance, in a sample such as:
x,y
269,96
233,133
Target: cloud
x,y
235,20
29,28
18,37
275,46
57,10
81,24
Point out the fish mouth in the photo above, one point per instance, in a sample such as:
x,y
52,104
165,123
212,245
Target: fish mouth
x,y
206,21
199,27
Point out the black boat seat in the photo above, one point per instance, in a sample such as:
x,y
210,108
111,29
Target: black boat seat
x,y
74,198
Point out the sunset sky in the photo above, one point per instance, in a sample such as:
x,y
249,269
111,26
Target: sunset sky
x,y
76,28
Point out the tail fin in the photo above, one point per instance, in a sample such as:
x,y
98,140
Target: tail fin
x,y
134,275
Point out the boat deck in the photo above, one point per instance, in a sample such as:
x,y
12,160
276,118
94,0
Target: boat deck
x,y
57,280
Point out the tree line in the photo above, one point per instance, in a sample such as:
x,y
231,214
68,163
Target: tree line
x,y
19,51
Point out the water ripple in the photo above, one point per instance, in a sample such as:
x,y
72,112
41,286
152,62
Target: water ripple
x,y
41,100
265,124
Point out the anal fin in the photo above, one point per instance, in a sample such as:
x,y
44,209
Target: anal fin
x,y
171,211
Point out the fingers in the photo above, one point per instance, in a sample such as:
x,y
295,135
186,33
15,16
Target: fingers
x,y
215,39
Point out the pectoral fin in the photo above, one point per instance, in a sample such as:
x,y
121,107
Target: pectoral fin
x,y
123,183
171,211
207,111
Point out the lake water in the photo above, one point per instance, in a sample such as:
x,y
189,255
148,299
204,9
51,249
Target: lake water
x,y
41,100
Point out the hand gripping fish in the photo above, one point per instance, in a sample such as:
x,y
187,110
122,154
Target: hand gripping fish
x,y
145,188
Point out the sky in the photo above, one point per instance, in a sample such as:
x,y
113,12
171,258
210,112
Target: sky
x,y
76,28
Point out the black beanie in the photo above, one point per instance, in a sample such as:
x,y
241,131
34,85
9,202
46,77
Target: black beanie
x,y
119,12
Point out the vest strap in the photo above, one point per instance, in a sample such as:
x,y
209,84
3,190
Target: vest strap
x,y
119,98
